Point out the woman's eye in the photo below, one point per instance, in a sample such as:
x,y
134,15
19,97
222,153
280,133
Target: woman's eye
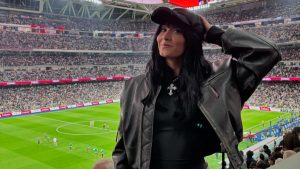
x,y
177,30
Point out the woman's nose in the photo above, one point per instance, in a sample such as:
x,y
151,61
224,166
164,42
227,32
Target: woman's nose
x,y
167,35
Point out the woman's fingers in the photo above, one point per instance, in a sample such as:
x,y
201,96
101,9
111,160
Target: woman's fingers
x,y
206,24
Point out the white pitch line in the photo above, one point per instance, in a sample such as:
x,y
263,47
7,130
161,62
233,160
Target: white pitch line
x,y
70,123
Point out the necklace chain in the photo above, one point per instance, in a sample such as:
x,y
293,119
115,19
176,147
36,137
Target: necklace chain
x,y
174,80
172,86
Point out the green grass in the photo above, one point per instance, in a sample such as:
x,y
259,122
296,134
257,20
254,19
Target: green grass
x,y
257,120
19,148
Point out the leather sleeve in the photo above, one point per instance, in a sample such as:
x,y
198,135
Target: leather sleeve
x,y
119,153
254,57
213,35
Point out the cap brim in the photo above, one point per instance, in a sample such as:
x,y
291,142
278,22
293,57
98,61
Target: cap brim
x,y
164,15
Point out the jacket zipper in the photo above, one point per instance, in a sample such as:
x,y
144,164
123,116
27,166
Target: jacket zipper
x,y
214,91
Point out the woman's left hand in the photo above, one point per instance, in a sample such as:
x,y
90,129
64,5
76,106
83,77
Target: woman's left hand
x,y
206,24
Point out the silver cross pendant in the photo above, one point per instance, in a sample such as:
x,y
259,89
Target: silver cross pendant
x,y
171,88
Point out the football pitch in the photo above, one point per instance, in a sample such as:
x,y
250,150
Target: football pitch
x,y
26,142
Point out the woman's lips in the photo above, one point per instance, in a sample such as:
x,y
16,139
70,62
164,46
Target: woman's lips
x,y
166,45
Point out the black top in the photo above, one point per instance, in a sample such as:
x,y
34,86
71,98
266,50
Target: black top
x,y
179,142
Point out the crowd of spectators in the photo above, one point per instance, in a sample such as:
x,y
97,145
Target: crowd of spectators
x,y
270,156
22,40
276,94
278,33
283,70
56,73
17,98
290,54
71,73
266,9
13,59
269,9
26,66
60,66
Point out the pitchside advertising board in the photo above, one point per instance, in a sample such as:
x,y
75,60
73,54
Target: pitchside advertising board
x,y
49,109
117,78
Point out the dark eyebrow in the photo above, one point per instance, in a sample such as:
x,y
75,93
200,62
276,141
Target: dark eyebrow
x,y
168,24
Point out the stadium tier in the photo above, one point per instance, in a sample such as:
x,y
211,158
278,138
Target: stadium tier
x,y
57,61
50,49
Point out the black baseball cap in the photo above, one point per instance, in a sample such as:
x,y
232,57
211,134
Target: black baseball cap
x,y
178,16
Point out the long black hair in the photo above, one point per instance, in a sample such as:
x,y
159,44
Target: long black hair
x,y
194,69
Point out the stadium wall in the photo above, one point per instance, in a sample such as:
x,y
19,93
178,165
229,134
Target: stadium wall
x,y
51,109
261,108
109,101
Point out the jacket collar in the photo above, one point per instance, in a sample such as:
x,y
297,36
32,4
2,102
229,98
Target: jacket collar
x,y
145,87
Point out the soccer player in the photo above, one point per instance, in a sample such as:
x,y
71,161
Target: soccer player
x,y
55,141
38,140
88,148
104,125
96,151
70,146
45,136
102,152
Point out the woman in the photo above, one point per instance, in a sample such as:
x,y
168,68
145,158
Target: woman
x,y
185,108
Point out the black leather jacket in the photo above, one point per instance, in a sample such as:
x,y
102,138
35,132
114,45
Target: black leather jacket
x,y
224,93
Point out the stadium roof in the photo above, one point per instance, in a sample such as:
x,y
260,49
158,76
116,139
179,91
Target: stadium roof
x,y
102,9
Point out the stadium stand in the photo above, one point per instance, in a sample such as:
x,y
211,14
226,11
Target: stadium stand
x,y
18,64
37,96
54,47
273,154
